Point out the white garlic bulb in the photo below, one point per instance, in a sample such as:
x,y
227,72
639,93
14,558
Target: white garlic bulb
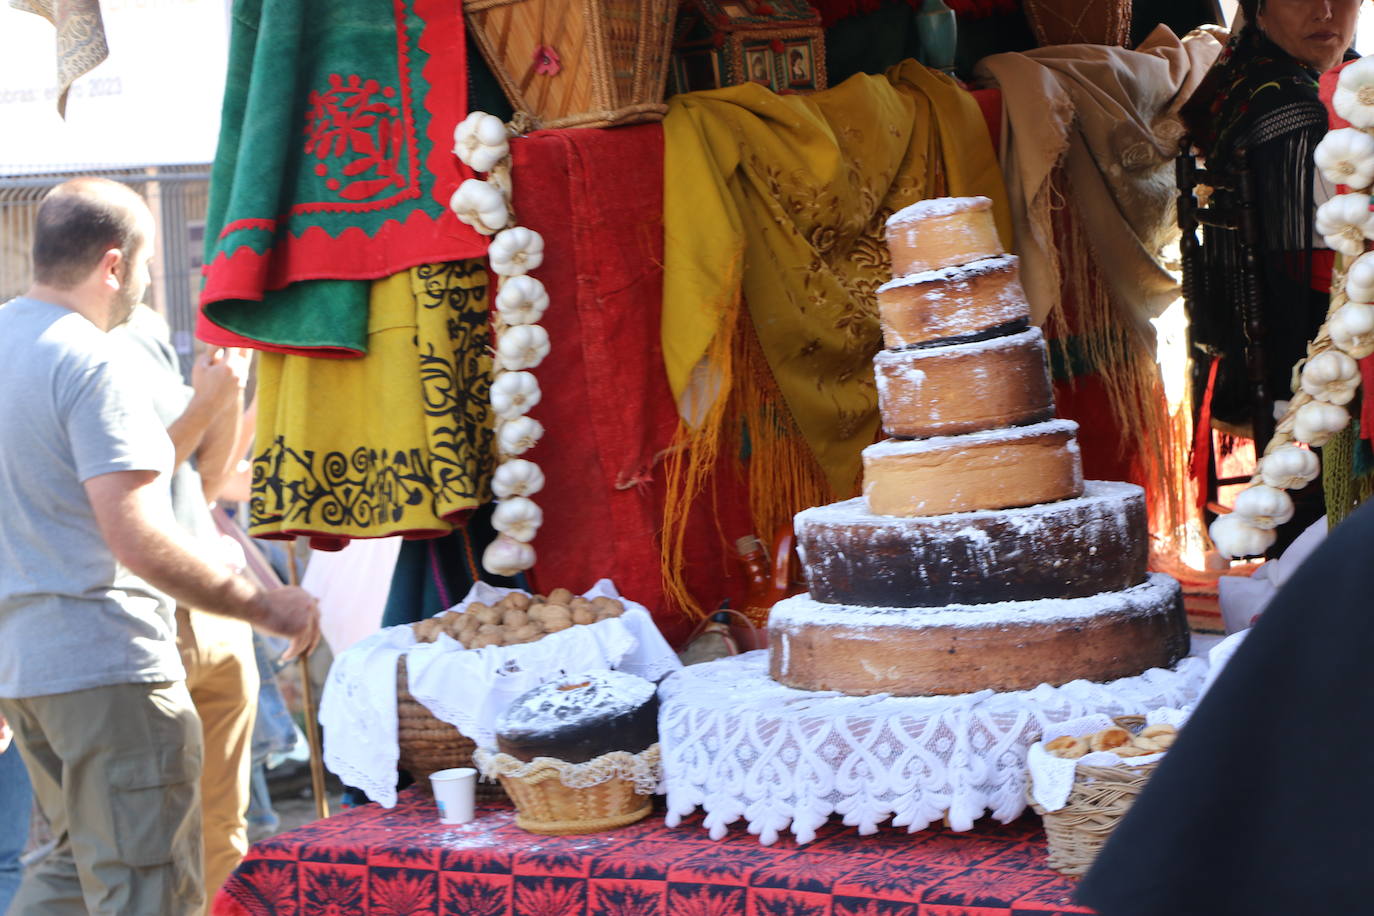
x,y
1316,422
1235,537
1346,156
1359,277
506,556
517,477
523,346
1354,95
515,437
1331,376
518,518
480,141
515,251
1344,222
513,394
521,300
481,205
1289,467
1260,505
1352,329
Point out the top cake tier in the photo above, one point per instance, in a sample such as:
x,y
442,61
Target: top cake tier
x,y
940,233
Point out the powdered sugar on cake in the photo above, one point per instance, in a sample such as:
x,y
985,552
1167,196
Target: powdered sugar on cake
x,y
602,694
936,208
890,448
802,611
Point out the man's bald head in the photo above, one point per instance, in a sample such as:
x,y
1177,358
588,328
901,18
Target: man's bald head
x,y
80,220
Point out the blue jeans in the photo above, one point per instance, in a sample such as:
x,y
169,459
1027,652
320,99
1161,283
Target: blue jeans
x,y
16,804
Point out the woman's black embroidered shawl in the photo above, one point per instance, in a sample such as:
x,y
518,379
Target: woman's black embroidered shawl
x,y
1259,98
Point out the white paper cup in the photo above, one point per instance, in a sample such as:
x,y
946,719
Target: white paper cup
x,y
455,790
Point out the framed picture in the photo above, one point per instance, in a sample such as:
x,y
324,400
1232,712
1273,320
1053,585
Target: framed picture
x,y
757,67
798,64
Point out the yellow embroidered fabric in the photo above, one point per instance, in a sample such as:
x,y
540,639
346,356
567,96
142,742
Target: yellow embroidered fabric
x,y
397,442
773,234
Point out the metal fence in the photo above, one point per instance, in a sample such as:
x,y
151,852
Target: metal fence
x,y
178,196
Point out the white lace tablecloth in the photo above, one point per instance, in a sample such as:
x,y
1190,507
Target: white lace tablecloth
x,y
739,745
467,688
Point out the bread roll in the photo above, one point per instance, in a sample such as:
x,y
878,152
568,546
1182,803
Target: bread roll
x,y
1109,739
560,596
1069,747
583,615
514,619
489,615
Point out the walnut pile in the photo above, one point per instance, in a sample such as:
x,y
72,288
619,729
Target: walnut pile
x,y
1149,740
517,618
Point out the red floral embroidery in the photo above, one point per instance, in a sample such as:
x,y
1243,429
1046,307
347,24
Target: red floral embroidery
x,y
776,45
547,61
354,120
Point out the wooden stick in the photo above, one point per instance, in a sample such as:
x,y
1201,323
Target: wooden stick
x,y
312,725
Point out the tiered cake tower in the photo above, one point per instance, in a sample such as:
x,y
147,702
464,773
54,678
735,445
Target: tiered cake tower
x,y
977,556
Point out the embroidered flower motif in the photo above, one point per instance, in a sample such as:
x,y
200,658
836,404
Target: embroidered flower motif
x,y
776,46
481,205
547,61
356,126
480,141
1354,95
1346,156
1345,221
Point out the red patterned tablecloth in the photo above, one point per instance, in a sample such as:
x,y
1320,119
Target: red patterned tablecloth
x,y
402,862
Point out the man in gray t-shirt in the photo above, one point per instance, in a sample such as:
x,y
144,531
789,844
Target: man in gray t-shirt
x,y
90,678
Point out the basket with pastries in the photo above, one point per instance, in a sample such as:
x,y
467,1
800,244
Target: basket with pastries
x,y
1086,773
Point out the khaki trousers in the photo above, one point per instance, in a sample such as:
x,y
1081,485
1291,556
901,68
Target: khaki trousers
x,y
222,674
115,771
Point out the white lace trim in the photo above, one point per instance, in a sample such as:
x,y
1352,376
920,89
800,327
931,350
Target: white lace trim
x,y
644,769
469,689
739,745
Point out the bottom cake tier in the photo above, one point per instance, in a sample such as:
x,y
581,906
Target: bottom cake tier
x,y
1010,645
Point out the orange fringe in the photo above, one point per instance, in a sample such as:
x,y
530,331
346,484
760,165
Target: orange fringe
x,y
783,476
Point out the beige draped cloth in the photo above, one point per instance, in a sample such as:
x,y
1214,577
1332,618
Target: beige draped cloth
x,y
1109,116
80,39
1090,134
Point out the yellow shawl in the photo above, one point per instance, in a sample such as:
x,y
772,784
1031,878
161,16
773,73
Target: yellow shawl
x,y
778,202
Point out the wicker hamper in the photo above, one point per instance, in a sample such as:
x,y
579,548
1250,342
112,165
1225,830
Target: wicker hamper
x,y
1100,796
429,745
577,63
1068,22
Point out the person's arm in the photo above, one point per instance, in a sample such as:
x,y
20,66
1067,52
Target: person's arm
x,y
217,457
143,537
216,390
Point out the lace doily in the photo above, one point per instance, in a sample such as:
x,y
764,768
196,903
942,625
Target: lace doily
x,y
644,769
467,688
739,745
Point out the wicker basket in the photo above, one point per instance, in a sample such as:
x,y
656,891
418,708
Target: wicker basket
x,y
1069,22
429,745
1099,797
544,803
609,61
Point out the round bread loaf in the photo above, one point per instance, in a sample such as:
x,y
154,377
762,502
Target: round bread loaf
x,y
578,718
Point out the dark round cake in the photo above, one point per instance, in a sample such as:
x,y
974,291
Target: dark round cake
x,y
578,718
